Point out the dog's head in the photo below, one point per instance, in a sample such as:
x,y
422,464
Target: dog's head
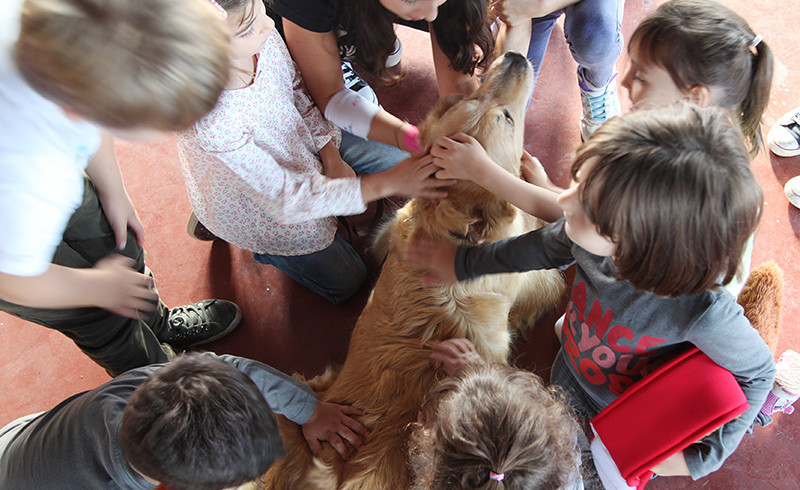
x,y
495,116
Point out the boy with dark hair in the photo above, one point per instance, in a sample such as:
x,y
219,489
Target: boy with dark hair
x,y
653,232
70,239
199,422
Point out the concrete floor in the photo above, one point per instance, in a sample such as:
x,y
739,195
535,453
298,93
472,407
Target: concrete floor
x,y
292,329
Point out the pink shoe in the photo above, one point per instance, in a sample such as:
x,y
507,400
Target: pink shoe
x,y
786,389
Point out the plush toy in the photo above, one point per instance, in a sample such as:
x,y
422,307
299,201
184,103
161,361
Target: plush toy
x,y
762,297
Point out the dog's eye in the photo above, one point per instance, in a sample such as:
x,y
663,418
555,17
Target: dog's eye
x,y
509,119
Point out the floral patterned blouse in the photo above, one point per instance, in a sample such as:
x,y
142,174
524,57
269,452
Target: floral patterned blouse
x,y
252,167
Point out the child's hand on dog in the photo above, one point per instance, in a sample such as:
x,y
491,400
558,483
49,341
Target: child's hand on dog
x,y
461,157
413,177
434,259
331,422
455,354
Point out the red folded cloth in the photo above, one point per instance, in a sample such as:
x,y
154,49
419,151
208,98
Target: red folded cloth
x,y
674,406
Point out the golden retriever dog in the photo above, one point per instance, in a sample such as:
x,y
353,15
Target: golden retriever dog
x,y
388,369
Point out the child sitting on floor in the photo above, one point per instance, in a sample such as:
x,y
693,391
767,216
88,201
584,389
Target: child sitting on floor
x,y
198,422
492,426
653,231
267,173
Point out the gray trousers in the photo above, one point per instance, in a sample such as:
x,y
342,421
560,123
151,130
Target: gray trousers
x,y
114,342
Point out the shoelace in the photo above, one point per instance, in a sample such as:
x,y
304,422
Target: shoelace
x,y
188,317
794,126
599,106
351,80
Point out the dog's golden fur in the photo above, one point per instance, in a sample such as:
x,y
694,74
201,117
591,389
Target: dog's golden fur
x,y
388,368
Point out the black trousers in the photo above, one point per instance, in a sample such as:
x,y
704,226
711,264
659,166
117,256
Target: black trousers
x,y
115,342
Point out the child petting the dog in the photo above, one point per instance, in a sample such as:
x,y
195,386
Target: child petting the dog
x,y
492,426
653,232
200,421
712,58
267,173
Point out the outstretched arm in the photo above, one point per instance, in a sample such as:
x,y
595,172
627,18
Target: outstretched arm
x,y
410,177
462,157
434,259
320,421
450,81
112,284
317,57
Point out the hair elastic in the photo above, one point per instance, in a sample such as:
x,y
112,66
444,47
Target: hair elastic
x,y
411,139
222,12
756,41
496,476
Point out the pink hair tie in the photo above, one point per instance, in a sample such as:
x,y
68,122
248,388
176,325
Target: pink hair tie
x,y
411,138
496,476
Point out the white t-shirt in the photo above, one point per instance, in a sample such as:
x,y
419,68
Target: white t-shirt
x,y
42,157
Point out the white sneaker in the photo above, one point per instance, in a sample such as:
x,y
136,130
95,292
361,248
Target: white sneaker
x,y
792,191
599,104
784,137
396,56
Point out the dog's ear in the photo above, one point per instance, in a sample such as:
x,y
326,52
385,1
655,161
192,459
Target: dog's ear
x,y
442,105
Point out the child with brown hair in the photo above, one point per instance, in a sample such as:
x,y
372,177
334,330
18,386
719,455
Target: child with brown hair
x,y
492,426
694,50
75,73
200,421
704,52
653,232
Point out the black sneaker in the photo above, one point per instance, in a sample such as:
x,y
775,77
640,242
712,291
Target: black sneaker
x,y
201,323
198,231
357,84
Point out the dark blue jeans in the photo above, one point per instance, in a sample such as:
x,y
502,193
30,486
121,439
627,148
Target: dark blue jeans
x,y
336,272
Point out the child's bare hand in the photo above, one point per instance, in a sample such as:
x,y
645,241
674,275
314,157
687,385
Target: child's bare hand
x,y
336,168
455,354
675,465
121,215
334,424
434,259
120,289
513,12
460,157
415,177
533,172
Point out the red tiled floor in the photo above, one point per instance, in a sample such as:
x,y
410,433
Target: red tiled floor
x,y
294,330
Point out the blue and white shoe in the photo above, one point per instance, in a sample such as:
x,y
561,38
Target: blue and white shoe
x,y
599,104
